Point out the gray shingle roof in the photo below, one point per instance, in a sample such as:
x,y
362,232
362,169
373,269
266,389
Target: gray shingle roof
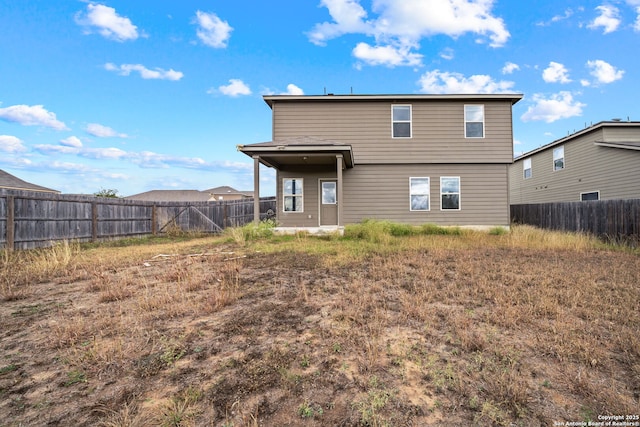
x,y
11,182
172,196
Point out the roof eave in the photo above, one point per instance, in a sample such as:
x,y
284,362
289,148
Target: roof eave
x,y
513,97
584,131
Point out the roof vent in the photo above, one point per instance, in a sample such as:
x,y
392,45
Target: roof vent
x,y
616,120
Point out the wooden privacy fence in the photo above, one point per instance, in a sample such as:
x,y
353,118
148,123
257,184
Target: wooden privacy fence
x,y
31,220
610,219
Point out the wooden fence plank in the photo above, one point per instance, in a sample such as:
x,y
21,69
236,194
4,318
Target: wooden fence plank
x,y
29,219
610,219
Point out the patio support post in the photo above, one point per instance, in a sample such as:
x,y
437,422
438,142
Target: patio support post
x,y
339,162
256,189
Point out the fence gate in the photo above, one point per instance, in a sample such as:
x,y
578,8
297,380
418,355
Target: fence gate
x,y
192,218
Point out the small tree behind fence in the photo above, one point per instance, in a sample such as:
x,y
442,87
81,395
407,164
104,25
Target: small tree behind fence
x,y
31,220
609,219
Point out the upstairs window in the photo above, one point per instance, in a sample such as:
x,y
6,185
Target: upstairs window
x,y
450,193
474,121
292,195
401,121
558,158
419,194
526,167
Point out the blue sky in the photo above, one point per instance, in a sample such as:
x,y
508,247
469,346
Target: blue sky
x,y
141,95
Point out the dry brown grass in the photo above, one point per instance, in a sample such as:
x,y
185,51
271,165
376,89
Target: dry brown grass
x,y
524,328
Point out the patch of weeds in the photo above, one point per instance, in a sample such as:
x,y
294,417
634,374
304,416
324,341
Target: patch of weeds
x,y
179,411
498,231
337,348
474,403
305,362
491,413
309,410
377,398
27,310
546,384
8,368
75,377
251,231
289,379
587,414
442,378
172,354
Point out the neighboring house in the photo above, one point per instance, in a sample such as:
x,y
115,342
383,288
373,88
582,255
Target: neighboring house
x,y
11,182
597,163
413,159
224,193
173,196
229,193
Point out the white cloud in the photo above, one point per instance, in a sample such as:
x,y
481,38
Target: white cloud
x,y
11,144
447,53
636,25
604,72
609,19
386,55
293,90
348,17
68,167
556,73
236,87
102,131
103,153
558,106
212,31
509,68
145,73
56,149
444,82
401,24
72,141
107,22
149,159
34,115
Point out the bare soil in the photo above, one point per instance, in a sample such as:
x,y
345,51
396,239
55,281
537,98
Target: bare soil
x,y
230,336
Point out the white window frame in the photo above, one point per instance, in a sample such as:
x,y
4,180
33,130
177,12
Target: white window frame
x,y
459,193
526,166
295,196
467,120
589,192
410,121
557,157
428,194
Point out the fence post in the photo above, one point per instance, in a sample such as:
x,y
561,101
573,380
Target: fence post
x,y
154,220
11,216
94,221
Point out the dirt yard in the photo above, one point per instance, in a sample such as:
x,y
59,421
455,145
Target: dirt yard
x,y
433,331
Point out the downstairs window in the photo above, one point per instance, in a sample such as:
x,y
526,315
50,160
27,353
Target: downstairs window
x,y
292,195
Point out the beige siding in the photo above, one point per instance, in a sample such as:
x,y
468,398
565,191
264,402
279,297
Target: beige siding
x,y
382,191
437,130
614,172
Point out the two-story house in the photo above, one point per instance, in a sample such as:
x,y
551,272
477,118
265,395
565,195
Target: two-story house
x,y
414,159
600,162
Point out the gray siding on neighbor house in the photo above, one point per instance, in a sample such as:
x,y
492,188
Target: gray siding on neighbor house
x,y
614,172
382,192
437,130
